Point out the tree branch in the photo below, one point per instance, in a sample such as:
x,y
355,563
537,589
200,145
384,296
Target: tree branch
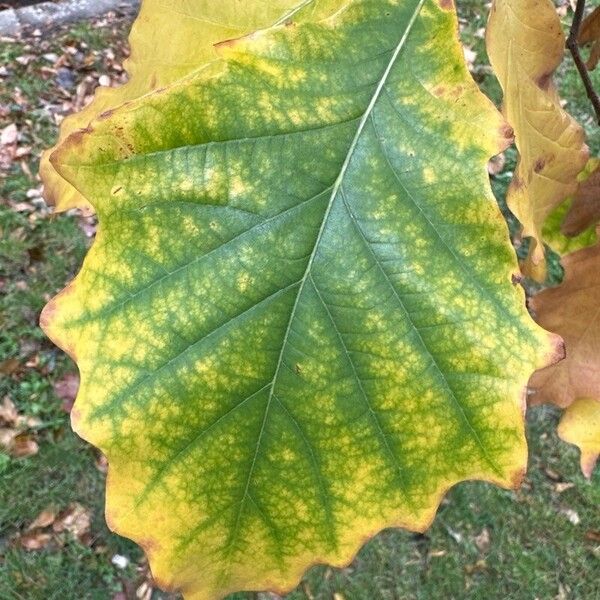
x,y
573,47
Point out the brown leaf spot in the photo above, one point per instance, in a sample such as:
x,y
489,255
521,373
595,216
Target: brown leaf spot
x,y
545,80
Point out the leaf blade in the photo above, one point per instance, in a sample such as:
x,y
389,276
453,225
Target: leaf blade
x,y
377,358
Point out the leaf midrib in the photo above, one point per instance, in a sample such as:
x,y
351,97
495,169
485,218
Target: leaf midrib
x,y
336,187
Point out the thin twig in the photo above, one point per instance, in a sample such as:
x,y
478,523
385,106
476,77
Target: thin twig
x,y
573,46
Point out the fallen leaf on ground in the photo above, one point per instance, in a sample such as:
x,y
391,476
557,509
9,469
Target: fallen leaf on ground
x,y
44,519
34,540
66,389
9,366
8,411
9,135
572,515
76,519
593,535
563,487
24,446
479,566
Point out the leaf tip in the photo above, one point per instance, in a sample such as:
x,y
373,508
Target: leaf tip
x,y
557,351
446,4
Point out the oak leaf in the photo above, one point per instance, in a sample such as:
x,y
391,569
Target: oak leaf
x,y
297,323
525,44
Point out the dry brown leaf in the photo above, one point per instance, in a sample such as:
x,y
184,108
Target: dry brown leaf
x,y
76,519
9,366
34,540
585,209
571,310
8,412
9,135
592,535
478,567
13,426
590,34
551,144
7,436
144,591
563,487
23,446
66,389
44,519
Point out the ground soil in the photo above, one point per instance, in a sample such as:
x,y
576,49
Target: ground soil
x,y
20,3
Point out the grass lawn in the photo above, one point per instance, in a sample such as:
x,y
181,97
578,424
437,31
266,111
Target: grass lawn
x,y
540,542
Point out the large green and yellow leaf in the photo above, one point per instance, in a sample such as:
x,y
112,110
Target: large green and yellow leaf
x,y
185,32
526,44
297,324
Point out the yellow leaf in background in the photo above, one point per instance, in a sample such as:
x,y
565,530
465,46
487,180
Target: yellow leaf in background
x,y
525,44
580,425
297,325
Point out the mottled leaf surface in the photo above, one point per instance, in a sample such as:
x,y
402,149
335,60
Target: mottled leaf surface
x,y
297,324
169,40
526,44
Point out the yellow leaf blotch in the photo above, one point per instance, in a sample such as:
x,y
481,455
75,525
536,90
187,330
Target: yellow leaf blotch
x,y
580,425
525,44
